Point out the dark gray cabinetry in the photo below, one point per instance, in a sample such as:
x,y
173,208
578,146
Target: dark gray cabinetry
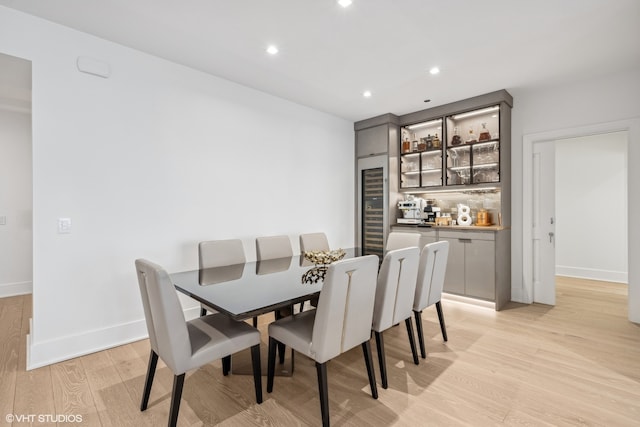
x,y
471,264
372,141
479,264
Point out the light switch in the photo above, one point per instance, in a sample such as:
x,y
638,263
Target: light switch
x,y
3,220
64,225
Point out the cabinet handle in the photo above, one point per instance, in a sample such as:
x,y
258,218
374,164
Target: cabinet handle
x,y
464,240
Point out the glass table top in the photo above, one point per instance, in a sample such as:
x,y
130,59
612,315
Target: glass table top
x,y
245,290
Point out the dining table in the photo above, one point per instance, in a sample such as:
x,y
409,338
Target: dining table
x,y
242,291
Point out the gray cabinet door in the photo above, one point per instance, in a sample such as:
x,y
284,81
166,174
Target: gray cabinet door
x,y
427,237
372,141
480,269
455,276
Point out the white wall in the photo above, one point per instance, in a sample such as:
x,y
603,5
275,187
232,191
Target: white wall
x,y
576,104
15,203
147,163
591,207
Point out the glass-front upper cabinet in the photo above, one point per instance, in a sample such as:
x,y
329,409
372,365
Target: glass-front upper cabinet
x,y
473,147
421,153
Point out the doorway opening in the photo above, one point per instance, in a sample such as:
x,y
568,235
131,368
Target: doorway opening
x,y
16,177
583,188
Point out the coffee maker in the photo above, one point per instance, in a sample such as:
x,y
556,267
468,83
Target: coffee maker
x,y
411,209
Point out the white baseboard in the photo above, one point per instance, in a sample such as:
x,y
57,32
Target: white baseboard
x,y
593,274
13,289
64,348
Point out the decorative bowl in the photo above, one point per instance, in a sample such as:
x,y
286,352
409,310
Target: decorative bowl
x,y
324,257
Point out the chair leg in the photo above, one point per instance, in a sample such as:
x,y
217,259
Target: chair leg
x,y
255,321
226,365
368,361
281,351
176,395
151,370
271,364
281,347
203,311
412,340
443,328
418,316
381,359
257,372
321,368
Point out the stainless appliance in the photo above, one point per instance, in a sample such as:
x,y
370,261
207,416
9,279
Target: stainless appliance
x,y
411,210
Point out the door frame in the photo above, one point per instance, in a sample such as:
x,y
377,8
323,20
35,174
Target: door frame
x,y
632,126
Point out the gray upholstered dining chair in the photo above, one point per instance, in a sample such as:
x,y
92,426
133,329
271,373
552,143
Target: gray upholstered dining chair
x,y
188,345
394,299
341,322
219,253
431,273
313,242
399,240
274,248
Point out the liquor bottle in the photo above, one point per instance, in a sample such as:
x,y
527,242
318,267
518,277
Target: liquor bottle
x,y
435,142
455,139
406,145
485,135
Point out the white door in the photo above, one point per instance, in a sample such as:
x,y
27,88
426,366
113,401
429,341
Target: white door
x,y
544,252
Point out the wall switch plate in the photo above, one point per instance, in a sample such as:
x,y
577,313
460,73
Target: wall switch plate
x,y
3,220
64,225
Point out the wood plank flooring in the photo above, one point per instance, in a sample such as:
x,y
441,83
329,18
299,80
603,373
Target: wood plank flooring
x,y
577,363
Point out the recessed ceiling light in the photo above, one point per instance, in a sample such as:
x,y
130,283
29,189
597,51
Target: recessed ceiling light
x,y
434,70
367,94
344,3
272,50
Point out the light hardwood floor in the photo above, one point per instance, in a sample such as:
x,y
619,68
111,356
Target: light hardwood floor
x,y
574,364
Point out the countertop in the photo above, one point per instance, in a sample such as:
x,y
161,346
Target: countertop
x,y
453,227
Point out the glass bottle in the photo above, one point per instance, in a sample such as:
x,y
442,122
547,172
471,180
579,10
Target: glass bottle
x,y
455,139
471,137
485,135
414,143
406,145
436,143
422,145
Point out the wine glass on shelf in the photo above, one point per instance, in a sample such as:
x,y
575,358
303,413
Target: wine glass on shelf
x,y
453,154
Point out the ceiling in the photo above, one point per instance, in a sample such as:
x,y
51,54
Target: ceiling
x,y
330,55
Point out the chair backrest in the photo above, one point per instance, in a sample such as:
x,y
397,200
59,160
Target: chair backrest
x,y
314,242
273,247
218,253
431,272
400,240
396,288
164,316
345,307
